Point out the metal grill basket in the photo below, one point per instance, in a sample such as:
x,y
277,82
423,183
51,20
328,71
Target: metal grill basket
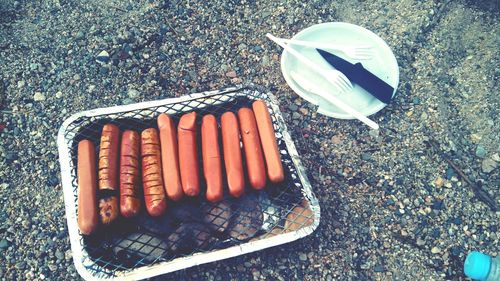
x,y
193,231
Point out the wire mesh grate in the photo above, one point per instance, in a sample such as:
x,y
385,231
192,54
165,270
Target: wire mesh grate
x,y
193,225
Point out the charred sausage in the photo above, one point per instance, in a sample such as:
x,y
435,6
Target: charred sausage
x,y
211,158
87,188
152,181
130,181
188,156
232,154
108,173
272,155
256,168
170,157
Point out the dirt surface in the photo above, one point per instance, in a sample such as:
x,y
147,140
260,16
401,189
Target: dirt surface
x,y
406,203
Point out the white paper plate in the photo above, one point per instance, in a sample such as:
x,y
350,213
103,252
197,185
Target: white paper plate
x,y
383,64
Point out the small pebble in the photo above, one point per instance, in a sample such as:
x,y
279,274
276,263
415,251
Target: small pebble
x,y
488,165
435,250
102,57
420,241
79,35
475,138
439,182
480,151
59,255
366,156
38,96
304,111
132,93
4,244
336,140
231,74
456,250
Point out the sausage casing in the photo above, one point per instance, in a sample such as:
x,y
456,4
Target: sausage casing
x,y
108,173
108,157
188,155
272,155
152,181
130,181
212,169
170,157
87,188
256,168
232,154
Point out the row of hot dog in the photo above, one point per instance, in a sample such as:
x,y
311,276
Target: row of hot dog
x,y
165,162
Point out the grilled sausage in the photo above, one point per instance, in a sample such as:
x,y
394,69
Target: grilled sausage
x,y
211,158
108,173
232,154
272,155
87,187
130,181
188,156
108,157
170,157
256,168
152,181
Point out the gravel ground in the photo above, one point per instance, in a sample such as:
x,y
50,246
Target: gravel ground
x,y
393,207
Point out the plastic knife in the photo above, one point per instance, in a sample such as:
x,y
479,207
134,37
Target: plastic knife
x,y
359,75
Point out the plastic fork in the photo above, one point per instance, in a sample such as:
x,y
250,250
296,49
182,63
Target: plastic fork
x,y
312,88
358,52
333,76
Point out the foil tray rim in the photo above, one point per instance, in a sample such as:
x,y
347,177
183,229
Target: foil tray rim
x,y
197,258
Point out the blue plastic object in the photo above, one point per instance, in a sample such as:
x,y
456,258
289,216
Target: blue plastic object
x,y
477,265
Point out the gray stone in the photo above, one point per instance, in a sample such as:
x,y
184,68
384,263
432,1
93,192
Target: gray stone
x,y
480,151
132,93
79,35
59,255
4,244
366,156
420,241
488,165
38,96
302,257
435,250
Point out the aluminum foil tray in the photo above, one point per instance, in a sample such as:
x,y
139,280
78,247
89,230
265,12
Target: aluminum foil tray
x,y
193,231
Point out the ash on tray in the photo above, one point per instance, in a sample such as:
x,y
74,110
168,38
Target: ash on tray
x,y
217,215
189,225
247,218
